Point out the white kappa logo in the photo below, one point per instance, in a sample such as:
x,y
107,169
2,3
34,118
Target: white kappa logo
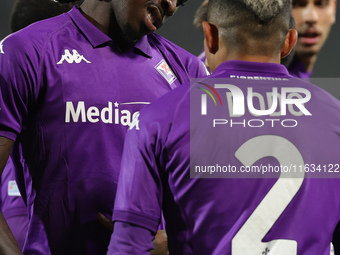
x,y
71,58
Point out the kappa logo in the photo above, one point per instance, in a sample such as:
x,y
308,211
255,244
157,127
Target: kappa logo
x,y
163,68
75,57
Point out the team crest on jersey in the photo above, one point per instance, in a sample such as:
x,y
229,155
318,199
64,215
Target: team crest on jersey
x,y
13,189
163,68
75,57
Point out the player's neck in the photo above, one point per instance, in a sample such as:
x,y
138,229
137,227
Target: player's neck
x,y
98,14
223,56
242,55
263,59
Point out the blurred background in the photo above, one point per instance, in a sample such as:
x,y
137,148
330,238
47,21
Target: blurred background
x,y
180,30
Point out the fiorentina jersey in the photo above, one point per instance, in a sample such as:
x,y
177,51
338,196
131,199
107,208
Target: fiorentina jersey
x,y
12,205
68,95
297,69
260,176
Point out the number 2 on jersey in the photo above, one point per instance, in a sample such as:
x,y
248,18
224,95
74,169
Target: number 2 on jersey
x,y
248,240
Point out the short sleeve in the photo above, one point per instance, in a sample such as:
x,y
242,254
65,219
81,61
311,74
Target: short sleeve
x,y
18,78
202,70
139,194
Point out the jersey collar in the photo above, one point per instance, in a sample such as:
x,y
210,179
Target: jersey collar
x,y
97,37
92,34
254,67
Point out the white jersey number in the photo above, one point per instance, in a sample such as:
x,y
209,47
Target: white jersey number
x,y
248,240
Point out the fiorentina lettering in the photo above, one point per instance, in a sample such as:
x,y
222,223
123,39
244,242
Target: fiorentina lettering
x,y
107,115
258,78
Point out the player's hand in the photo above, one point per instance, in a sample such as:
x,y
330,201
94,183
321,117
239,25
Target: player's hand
x,y
105,221
160,243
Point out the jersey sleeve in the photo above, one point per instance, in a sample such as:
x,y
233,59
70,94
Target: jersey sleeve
x,y
139,193
18,78
140,240
194,66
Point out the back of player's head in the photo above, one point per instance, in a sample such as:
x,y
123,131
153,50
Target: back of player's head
x,y
253,27
201,14
26,12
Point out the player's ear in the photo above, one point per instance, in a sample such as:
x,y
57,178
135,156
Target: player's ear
x,y
334,11
211,36
290,41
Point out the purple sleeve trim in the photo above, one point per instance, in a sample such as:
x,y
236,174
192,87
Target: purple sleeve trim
x,y
141,220
14,212
9,135
130,239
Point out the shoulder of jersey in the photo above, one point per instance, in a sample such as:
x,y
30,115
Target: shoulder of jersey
x,y
321,98
35,35
166,106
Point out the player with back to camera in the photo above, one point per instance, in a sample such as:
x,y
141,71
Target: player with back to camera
x,y
68,95
202,15
313,20
239,212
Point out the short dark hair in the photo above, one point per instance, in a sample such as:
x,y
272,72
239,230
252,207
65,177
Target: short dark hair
x,y
26,12
254,27
201,14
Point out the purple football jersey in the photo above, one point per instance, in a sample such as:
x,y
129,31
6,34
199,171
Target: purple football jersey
x,y
168,151
202,56
69,94
297,69
12,205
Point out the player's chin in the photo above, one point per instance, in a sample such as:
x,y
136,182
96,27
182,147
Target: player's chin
x,y
308,49
132,35
145,30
